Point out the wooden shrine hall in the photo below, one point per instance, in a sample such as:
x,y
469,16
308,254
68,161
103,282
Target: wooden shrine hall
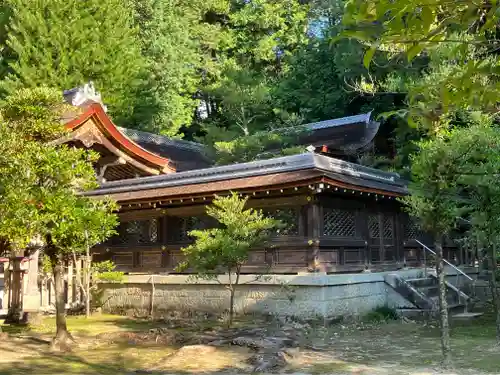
x,y
341,216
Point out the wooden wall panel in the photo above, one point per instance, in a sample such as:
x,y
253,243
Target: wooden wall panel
x,y
295,257
257,257
329,257
123,260
151,259
353,256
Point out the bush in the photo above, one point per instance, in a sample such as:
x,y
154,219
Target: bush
x,y
381,314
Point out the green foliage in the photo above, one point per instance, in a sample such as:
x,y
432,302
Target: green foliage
x,y
173,58
40,182
256,39
102,272
454,175
260,145
105,272
459,38
381,314
67,43
226,247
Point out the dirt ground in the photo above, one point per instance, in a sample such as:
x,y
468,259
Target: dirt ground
x,y
118,345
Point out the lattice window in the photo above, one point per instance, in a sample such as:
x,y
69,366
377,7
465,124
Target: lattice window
x,y
374,226
187,224
339,223
412,229
288,216
137,232
387,227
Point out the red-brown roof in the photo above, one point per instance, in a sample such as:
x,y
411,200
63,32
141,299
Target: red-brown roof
x,y
109,130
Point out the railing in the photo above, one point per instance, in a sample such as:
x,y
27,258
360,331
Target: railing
x,y
459,272
444,260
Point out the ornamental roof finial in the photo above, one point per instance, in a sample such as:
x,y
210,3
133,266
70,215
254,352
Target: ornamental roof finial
x,y
83,96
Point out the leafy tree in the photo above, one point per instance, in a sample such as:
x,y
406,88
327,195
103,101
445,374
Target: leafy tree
x,y
326,79
249,128
432,201
479,183
226,248
454,175
100,272
460,41
248,55
41,185
66,43
466,31
168,39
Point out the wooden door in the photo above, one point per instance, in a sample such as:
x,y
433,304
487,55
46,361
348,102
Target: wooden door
x,y
381,238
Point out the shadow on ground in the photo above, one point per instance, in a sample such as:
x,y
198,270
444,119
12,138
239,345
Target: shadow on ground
x,y
371,349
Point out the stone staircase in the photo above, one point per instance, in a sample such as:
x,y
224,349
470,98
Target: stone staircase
x,y
423,294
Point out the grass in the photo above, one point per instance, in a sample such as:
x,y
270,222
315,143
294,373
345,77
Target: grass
x,y
96,324
365,349
21,353
415,345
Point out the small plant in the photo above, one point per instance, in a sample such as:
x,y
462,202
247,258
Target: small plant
x,y
226,247
290,291
381,314
102,272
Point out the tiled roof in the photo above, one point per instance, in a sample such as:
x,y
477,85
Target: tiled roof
x,y
141,136
363,118
364,176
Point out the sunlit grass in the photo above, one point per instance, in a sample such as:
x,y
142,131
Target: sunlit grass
x,y
407,346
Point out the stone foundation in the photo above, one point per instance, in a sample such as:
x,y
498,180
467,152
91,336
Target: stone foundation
x,y
303,296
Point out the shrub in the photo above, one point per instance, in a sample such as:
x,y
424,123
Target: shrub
x,y
381,314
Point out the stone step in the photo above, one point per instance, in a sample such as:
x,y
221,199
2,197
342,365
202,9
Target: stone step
x,y
420,282
467,315
415,313
455,310
451,299
430,290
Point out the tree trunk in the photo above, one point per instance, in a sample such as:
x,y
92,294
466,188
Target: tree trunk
x,y
231,305
443,307
83,285
63,339
232,290
88,269
494,289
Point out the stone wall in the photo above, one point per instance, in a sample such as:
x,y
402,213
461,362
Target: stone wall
x,y
304,296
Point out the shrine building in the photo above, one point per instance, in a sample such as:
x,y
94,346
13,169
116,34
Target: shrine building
x,y
346,229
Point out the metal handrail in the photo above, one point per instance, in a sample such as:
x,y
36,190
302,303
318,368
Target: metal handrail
x,y
444,260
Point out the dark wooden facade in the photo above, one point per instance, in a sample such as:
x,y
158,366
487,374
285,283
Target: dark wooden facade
x,y
326,232
341,216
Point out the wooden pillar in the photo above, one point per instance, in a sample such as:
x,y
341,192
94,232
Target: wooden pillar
x,y
6,287
399,237
313,234
15,291
362,223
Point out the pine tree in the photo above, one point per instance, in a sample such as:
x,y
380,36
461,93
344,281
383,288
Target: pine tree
x,y
64,43
173,56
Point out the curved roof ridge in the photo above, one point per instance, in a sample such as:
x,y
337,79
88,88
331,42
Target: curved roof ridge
x,y
129,145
